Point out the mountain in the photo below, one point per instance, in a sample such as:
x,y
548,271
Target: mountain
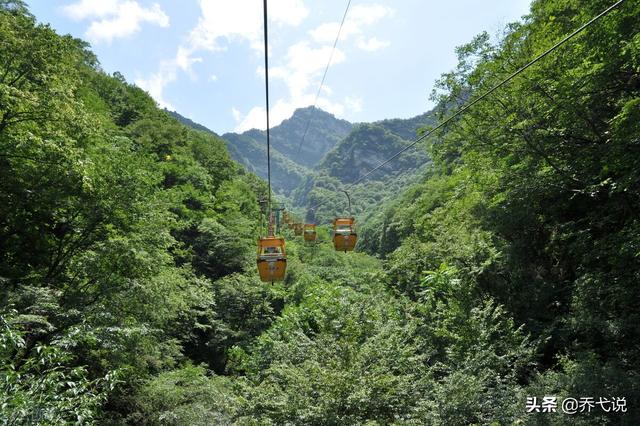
x,y
336,150
408,128
291,158
323,133
505,273
190,123
367,146
246,149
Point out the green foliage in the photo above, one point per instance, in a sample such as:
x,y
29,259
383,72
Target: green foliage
x,y
366,147
115,221
335,358
250,149
509,269
42,388
184,396
532,200
586,374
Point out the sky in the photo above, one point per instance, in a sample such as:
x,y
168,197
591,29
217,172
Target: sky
x,y
205,58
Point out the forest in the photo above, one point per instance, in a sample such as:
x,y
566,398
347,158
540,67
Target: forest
x,y
505,270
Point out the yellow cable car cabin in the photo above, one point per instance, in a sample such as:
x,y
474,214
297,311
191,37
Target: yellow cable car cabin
x,y
297,228
272,259
344,234
309,232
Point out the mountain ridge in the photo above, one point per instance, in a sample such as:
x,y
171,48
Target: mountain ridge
x,y
333,147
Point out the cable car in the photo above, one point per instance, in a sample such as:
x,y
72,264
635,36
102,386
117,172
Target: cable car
x,y
344,234
272,259
297,228
309,232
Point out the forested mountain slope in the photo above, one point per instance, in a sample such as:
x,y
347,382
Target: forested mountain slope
x,y
249,151
334,152
324,131
333,149
366,147
115,219
532,198
507,270
291,160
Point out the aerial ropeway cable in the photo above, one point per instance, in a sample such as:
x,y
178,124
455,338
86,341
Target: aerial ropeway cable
x,y
344,234
470,104
324,75
272,256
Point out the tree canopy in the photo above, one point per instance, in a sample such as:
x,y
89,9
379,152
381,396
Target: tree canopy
x,y
507,270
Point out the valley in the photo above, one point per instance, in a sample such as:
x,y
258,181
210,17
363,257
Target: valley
x,y
496,269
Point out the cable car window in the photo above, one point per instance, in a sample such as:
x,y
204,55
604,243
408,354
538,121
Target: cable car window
x,y
272,250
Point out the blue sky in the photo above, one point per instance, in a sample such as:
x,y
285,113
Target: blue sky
x,y
204,58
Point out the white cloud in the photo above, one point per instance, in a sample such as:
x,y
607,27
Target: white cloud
x,y
354,104
156,83
359,16
221,22
184,59
241,20
304,64
213,77
288,12
368,14
238,19
236,114
255,119
90,9
372,44
113,19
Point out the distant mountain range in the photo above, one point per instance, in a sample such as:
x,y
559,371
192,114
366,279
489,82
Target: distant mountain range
x,y
292,159
333,148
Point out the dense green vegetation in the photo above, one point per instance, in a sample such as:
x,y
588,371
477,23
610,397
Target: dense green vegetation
x,y
366,146
115,220
245,148
508,269
324,199
332,147
534,194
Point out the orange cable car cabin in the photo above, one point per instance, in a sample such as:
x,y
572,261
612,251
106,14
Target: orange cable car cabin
x,y
309,232
344,234
272,259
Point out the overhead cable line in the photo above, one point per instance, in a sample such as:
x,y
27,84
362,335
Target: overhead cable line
x,y
266,85
333,49
484,95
